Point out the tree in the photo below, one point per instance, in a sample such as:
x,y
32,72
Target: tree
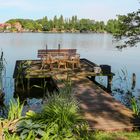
x,y
61,23
112,26
55,21
44,23
129,29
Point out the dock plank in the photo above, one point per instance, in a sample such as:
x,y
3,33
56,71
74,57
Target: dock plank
x,y
100,109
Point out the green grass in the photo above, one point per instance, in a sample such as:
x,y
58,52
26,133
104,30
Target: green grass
x,y
117,135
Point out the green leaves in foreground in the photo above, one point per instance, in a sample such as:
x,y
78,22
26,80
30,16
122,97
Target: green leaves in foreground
x,y
8,126
27,127
59,118
15,110
135,106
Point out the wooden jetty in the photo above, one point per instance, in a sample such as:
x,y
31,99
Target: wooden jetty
x,y
98,107
30,70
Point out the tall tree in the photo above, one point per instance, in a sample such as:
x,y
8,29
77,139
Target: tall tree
x,y
61,23
55,21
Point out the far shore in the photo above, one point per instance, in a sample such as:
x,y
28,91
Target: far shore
x,y
81,32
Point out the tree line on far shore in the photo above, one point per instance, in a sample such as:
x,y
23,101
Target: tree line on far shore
x,y
61,24
124,26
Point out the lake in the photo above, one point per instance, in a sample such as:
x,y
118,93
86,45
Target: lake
x,y
96,47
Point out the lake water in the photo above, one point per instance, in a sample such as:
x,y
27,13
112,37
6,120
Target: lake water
x,y
98,48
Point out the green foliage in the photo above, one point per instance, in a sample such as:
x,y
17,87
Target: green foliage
x,y
59,118
116,135
64,109
15,110
129,28
59,109
15,136
9,136
135,106
28,128
112,26
8,126
124,26
125,88
59,24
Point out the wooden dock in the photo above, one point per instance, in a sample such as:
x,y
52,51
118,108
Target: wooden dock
x,y
98,107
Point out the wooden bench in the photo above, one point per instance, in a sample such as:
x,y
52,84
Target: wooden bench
x,y
54,52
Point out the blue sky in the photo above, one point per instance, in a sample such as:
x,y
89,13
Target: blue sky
x,y
93,9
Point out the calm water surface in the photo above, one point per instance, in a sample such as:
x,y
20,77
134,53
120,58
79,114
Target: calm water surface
x,y
98,48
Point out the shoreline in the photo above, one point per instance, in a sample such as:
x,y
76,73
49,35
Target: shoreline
x,y
88,32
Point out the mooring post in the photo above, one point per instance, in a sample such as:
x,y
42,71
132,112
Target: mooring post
x,y
109,82
46,48
133,81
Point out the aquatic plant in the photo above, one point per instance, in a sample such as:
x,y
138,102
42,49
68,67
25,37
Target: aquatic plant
x,y
123,87
126,89
134,106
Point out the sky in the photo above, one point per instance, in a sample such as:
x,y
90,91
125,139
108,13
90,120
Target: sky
x,y
100,10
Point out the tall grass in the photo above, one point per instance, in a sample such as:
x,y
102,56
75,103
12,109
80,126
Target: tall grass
x,y
8,126
135,106
15,110
61,117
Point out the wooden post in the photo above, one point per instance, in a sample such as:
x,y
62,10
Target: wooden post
x,y
133,81
59,47
46,48
109,82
